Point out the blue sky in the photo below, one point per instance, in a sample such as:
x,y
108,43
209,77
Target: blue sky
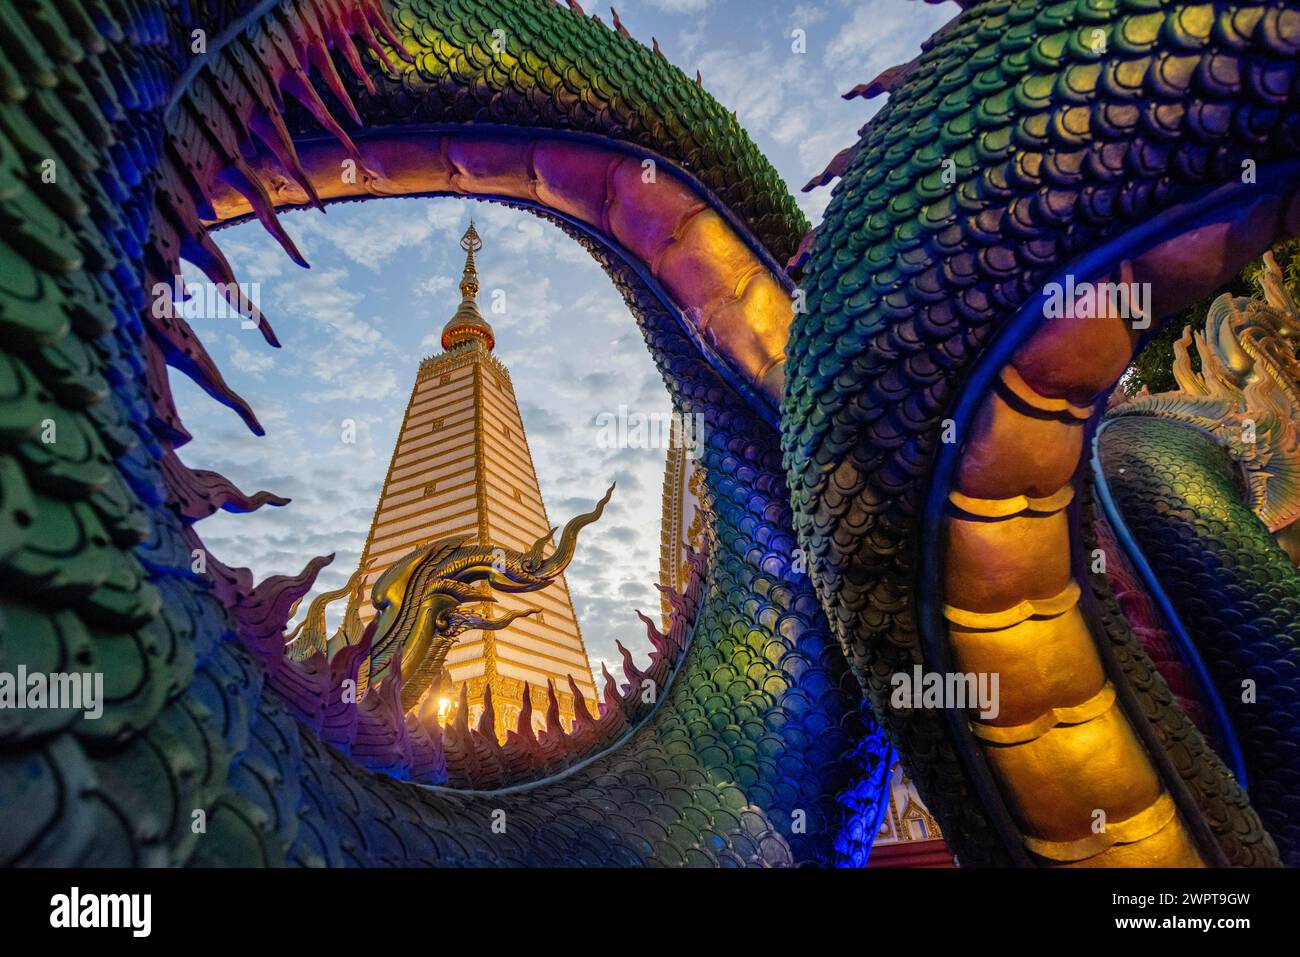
x,y
382,283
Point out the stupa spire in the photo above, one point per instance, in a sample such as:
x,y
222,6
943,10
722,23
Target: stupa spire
x,y
468,324
471,243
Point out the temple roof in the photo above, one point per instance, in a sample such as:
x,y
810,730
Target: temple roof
x,y
468,324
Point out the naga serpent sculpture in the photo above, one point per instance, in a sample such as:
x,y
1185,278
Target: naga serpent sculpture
x,y
417,597
906,422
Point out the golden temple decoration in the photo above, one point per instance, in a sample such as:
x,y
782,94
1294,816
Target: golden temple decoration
x,y
471,243
907,820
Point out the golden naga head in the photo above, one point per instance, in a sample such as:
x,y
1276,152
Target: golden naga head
x,y
1246,395
430,596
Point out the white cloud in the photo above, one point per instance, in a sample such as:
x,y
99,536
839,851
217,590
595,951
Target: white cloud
x,y
877,36
803,14
432,285
256,361
360,384
402,223
682,6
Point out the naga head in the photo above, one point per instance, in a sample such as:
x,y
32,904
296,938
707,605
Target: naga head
x,y
1250,341
438,591
507,570
1247,395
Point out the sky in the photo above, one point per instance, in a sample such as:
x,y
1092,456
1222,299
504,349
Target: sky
x,y
383,282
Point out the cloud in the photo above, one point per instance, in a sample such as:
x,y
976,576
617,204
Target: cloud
x,y
328,296
876,36
254,259
370,387
682,6
541,422
804,14
255,363
432,285
401,224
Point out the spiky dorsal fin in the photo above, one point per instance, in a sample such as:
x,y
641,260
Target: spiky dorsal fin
x,y
462,710
618,24
634,674
653,633
613,695
487,721
553,725
886,82
581,715
524,726
803,253
834,169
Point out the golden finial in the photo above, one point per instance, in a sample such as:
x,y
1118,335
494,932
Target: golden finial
x,y
471,243
468,324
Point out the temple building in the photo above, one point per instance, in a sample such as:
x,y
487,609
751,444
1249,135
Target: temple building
x,y
909,835
462,466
